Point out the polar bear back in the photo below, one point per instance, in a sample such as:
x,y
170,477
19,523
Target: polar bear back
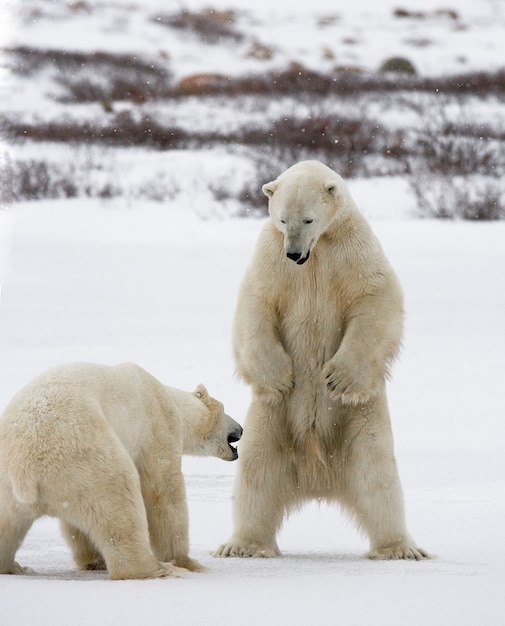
x,y
74,412
76,396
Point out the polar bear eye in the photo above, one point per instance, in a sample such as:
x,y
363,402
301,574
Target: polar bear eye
x,y
308,221
283,221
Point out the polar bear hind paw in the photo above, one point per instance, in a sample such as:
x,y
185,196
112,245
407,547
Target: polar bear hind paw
x,y
95,566
16,569
246,550
189,564
397,552
172,571
163,570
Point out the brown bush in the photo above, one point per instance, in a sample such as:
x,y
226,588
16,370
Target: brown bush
x,y
97,76
122,130
458,166
34,180
472,198
209,25
201,84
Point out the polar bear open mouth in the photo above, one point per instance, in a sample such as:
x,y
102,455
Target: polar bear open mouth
x,y
298,258
233,438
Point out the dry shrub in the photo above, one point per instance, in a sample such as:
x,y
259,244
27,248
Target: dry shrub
x,y
124,129
31,60
201,84
332,133
34,180
299,81
268,164
210,25
103,76
319,132
470,198
343,140
85,175
422,15
459,165
398,65
97,76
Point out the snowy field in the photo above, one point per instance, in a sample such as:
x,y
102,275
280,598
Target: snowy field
x,y
40,84
151,284
438,36
156,283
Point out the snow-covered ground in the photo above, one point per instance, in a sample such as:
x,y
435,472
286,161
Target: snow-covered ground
x,y
40,84
439,37
157,285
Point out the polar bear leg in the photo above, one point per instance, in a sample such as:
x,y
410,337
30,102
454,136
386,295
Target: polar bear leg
x,y
373,489
257,515
264,487
86,556
164,496
112,514
13,530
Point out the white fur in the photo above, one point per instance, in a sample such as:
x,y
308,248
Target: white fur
x,y
100,448
315,337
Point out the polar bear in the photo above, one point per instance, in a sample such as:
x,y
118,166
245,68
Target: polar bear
x,y
100,448
317,326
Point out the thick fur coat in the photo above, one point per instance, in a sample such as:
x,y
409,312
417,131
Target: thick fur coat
x,y
100,448
318,324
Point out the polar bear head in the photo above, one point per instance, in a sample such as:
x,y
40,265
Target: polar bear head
x,y
216,432
303,202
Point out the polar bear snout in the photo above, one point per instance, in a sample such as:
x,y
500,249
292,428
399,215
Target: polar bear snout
x,y
298,248
298,257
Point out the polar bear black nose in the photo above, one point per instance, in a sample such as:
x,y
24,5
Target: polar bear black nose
x,y
235,434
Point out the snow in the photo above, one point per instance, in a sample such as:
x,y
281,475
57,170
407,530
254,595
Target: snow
x,y
325,36
156,284
319,34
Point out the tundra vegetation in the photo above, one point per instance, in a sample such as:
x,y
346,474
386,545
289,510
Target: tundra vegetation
x,y
434,131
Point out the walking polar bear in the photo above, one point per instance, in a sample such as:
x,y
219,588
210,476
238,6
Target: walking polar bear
x,y
100,448
317,326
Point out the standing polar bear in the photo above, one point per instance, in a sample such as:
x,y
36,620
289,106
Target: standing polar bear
x,y
317,326
100,448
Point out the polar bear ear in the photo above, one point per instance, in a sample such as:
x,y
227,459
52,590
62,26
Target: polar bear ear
x,y
332,187
201,392
269,188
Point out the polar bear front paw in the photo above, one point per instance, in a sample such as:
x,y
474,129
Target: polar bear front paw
x,y
270,373
274,392
346,384
245,550
398,551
